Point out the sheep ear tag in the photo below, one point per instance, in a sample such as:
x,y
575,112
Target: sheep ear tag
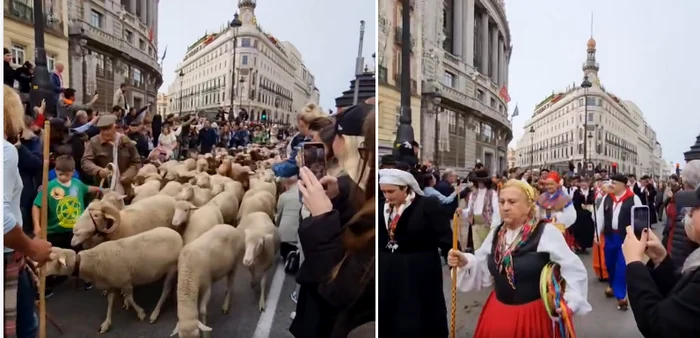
x,y
203,327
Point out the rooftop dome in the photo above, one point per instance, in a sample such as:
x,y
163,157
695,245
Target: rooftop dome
x,y
591,43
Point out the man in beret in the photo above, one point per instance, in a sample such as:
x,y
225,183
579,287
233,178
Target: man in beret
x,y
100,151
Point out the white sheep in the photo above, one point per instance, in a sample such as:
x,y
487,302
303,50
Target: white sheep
x,y
257,200
259,184
150,187
262,244
192,193
143,172
227,204
172,189
221,183
202,180
197,271
122,264
202,164
184,170
193,221
103,218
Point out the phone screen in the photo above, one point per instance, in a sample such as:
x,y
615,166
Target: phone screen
x,y
640,219
315,158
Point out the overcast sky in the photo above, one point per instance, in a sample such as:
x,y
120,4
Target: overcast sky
x,y
325,32
646,51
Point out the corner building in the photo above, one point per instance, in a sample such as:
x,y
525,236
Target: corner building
x,y
122,48
269,75
617,132
467,49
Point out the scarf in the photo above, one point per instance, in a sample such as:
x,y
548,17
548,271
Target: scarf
x,y
488,207
503,253
397,211
628,193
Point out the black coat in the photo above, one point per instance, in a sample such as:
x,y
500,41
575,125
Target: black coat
x,y
664,303
681,246
411,298
583,229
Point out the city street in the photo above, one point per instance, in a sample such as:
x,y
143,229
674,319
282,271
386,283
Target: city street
x,y
80,312
604,321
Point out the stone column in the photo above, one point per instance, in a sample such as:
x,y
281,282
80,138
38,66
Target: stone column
x,y
494,54
484,43
144,11
458,28
468,36
501,64
132,7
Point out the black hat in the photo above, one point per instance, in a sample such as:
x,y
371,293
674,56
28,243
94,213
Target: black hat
x,y
480,175
619,178
349,122
645,177
5,51
388,159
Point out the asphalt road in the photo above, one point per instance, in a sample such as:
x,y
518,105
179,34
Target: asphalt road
x,y
79,312
604,321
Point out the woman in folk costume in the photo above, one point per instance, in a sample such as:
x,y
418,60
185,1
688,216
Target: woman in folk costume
x,y
512,259
411,229
482,210
599,268
555,207
583,229
613,216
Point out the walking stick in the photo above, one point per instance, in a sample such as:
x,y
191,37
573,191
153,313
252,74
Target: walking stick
x,y
455,246
43,234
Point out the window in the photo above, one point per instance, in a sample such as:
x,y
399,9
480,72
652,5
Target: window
x,y
142,44
480,95
590,117
245,42
137,79
449,79
128,36
96,19
50,61
244,59
18,55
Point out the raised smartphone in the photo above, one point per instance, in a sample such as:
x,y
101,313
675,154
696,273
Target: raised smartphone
x,y
314,158
640,219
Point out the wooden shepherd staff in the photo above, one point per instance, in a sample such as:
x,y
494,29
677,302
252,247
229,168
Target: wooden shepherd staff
x,y
43,235
455,246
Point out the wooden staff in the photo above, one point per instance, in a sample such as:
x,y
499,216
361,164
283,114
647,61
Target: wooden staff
x,y
43,235
455,246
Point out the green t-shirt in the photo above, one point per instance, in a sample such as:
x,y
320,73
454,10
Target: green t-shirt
x,y
66,204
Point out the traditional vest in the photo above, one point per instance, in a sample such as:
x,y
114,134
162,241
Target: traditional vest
x,y
623,220
488,208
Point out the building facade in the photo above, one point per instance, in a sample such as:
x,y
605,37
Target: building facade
x,y
18,28
389,71
512,158
269,76
162,104
466,53
617,132
121,48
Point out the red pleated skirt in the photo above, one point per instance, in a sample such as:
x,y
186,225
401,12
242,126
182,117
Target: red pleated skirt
x,y
528,320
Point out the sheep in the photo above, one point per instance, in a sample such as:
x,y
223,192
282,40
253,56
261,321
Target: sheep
x,y
258,184
202,180
114,198
198,271
143,173
195,220
171,189
122,264
167,166
180,171
227,202
194,194
222,183
262,244
257,200
150,187
105,219
202,164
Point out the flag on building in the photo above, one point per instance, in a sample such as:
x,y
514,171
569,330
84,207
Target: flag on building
x,y
503,93
516,112
165,52
150,34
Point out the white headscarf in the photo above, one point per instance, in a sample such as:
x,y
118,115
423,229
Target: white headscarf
x,y
400,178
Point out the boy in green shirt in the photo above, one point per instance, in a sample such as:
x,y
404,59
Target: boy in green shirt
x,y
66,202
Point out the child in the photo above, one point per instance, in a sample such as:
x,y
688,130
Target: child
x,y
66,202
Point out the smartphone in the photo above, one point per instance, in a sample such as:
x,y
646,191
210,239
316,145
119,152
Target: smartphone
x,y
640,219
314,158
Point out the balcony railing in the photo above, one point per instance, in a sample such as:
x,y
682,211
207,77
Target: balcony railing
x,y
20,11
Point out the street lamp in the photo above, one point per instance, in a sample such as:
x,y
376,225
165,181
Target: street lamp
x,y
181,75
41,84
585,85
590,151
404,132
83,42
235,23
532,146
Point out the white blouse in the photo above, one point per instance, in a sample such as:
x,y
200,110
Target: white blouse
x,y
476,276
477,201
567,216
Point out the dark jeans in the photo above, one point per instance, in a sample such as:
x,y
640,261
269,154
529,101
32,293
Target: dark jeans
x,y
27,320
59,240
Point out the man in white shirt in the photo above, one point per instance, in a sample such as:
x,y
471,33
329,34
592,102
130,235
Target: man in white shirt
x,y
119,98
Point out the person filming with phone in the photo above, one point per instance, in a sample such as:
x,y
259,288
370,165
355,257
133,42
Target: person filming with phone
x,y
665,302
613,215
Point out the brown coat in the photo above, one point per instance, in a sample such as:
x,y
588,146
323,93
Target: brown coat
x,y
98,154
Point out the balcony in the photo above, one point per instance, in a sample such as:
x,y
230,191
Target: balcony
x,y
383,78
398,38
414,84
20,11
128,50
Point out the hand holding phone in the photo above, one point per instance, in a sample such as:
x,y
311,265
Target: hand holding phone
x,y
314,158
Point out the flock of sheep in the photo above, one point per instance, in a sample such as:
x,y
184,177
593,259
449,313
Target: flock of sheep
x,y
195,220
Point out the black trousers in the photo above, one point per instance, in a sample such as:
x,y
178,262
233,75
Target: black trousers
x,y
59,240
286,248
